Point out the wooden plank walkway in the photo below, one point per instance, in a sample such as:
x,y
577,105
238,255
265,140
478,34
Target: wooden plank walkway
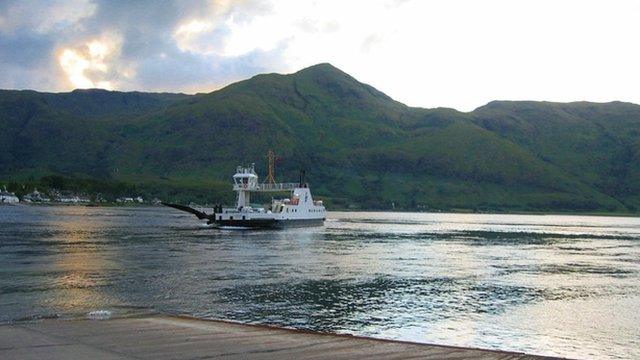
x,y
167,337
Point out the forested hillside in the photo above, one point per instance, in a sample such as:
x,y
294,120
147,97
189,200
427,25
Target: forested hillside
x,y
359,147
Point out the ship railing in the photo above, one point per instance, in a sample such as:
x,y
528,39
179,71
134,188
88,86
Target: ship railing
x,y
276,186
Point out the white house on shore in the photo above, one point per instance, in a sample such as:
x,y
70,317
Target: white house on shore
x,y
126,199
36,196
73,199
8,197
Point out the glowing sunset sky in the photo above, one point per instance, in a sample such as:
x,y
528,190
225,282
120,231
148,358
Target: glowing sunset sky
x,y
454,53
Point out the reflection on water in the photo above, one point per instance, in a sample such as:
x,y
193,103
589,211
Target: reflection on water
x,y
557,285
78,269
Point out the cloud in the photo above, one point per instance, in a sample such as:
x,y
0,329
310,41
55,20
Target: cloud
x,y
95,63
141,45
458,53
204,72
200,37
191,45
43,17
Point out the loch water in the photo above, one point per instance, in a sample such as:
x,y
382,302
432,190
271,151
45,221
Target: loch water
x,y
550,285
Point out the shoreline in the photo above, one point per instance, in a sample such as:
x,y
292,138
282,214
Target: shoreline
x,y
398,211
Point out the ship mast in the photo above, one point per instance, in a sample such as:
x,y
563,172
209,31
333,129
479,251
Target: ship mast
x,y
271,157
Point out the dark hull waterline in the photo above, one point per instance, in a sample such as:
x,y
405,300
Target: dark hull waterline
x,y
268,223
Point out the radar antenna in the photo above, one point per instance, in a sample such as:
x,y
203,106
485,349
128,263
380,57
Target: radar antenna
x,y
271,157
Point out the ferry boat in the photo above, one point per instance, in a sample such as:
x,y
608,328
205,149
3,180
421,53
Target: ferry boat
x,y
298,210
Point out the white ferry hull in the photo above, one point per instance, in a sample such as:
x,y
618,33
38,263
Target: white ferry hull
x,y
267,223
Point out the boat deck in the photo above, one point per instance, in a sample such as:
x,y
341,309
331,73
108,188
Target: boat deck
x,y
167,337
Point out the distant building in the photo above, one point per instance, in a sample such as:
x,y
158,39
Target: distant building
x,y
127,199
72,199
36,196
8,197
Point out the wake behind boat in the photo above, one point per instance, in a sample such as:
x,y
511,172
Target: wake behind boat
x,y
298,210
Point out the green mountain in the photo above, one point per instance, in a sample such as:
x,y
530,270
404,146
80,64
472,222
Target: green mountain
x,y
359,146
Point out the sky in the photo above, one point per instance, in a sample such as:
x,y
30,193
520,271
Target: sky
x,y
428,53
